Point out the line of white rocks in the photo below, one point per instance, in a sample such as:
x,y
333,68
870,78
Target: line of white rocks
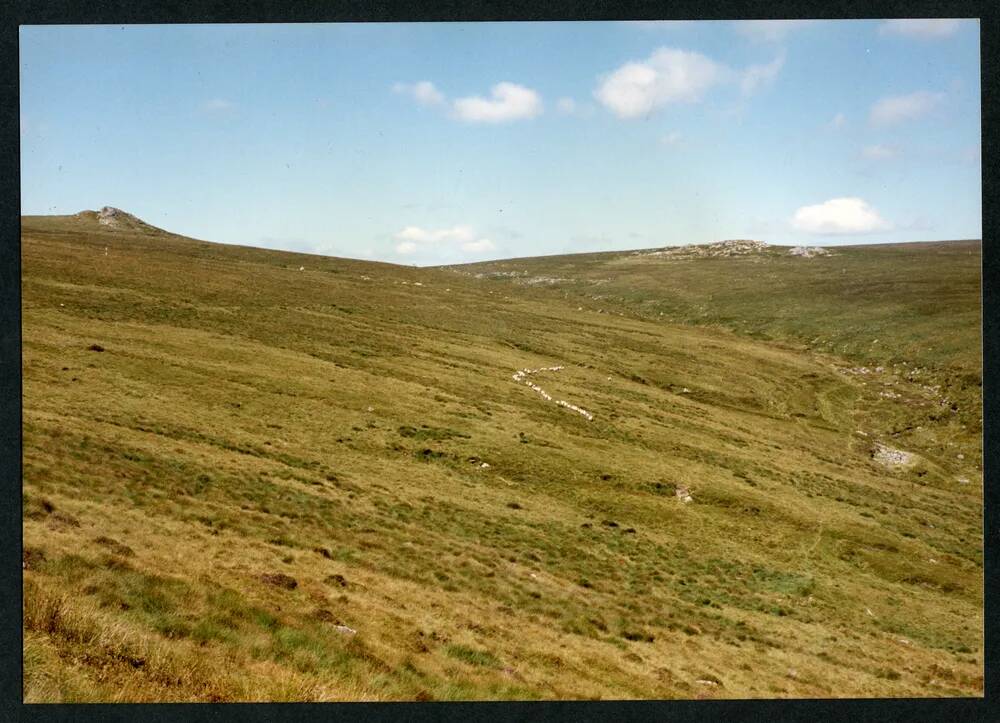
x,y
520,377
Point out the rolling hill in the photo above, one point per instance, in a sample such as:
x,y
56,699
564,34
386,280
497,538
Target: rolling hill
x,y
262,475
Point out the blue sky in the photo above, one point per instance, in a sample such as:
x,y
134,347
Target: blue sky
x,y
440,143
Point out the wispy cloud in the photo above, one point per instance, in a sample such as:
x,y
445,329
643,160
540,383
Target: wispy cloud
x,y
217,105
672,138
756,76
483,244
566,106
839,216
899,108
879,152
837,122
507,102
926,28
424,92
768,31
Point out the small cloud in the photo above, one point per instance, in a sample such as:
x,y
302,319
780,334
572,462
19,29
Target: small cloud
x,y
423,92
926,28
420,235
837,122
483,244
507,102
667,76
879,152
758,75
839,216
217,105
566,106
440,243
670,139
899,108
768,31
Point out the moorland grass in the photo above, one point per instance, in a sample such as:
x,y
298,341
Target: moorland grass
x,y
248,424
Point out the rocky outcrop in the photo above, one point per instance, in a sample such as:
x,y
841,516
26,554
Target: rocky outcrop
x,y
808,252
732,247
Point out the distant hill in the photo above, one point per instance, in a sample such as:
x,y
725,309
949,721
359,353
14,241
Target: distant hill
x,y
115,219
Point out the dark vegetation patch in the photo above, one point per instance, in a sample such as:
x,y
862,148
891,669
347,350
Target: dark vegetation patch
x,y
114,546
435,433
279,579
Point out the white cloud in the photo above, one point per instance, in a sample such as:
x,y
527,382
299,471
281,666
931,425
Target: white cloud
x,y
898,108
483,244
839,216
420,235
838,121
768,31
216,105
423,92
879,152
670,139
507,102
669,75
566,106
440,243
757,75
920,28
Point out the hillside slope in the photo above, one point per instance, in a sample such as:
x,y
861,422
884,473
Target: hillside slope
x,y
258,475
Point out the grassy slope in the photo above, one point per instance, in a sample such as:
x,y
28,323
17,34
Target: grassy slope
x,y
247,419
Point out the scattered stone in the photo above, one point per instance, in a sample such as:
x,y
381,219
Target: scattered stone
x,y
343,629
485,465
684,495
519,376
808,252
279,579
891,457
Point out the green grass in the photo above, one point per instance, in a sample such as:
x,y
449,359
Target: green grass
x,y
248,422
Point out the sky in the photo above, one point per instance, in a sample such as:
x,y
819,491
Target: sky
x,y
435,143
